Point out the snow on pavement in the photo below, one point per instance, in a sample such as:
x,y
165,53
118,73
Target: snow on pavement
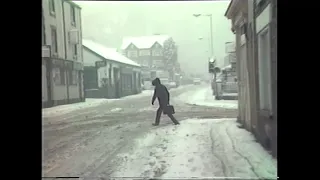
x,y
198,148
63,109
90,102
203,97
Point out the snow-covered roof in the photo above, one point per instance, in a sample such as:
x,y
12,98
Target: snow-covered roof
x,y
144,42
108,53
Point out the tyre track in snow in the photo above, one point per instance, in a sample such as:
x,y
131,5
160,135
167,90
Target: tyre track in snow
x,y
70,138
86,131
67,137
225,157
240,154
217,155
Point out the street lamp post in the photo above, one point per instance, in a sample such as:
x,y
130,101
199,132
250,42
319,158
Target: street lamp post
x,y
211,31
211,46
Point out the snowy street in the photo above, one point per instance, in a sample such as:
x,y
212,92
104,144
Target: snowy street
x,y
114,138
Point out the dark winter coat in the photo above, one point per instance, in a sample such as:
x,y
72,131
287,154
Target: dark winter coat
x,y
160,92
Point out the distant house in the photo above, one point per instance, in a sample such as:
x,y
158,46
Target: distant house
x,y
255,26
148,52
107,73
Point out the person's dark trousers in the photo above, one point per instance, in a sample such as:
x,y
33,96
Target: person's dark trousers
x,y
159,112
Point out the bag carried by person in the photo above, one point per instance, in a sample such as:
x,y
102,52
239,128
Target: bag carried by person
x,y
169,110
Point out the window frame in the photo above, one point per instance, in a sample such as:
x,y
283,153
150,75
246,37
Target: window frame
x,y
54,40
264,68
73,15
52,8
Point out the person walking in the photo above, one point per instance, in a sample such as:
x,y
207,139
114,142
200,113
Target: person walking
x,y
162,94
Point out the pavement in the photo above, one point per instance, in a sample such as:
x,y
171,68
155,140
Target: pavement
x,y
91,142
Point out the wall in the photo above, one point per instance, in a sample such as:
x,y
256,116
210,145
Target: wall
x,y
44,82
89,58
56,21
74,91
274,76
129,49
265,17
238,69
157,61
252,70
68,27
103,72
59,91
145,60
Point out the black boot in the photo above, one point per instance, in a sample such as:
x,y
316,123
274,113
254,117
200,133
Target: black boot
x,y
173,119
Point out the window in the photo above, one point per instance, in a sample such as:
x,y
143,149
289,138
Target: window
x,y
156,53
264,71
75,50
43,35
258,1
52,7
243,29
109,75
59,76
73,77
158,63
73,15
144,53
54,44
132,54
43,30
145,62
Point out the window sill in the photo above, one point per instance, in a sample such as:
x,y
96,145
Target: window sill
x,y
55,54
53,14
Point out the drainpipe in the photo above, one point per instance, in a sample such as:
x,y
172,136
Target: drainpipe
x,y
44,28
81,51
65,48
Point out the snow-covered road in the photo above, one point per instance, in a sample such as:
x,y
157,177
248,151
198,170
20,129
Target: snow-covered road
x,y
199,148
115,138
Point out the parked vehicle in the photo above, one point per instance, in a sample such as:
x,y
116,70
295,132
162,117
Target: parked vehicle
x,y
147,85
196,81
227,87
165,81
177,79
172,84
